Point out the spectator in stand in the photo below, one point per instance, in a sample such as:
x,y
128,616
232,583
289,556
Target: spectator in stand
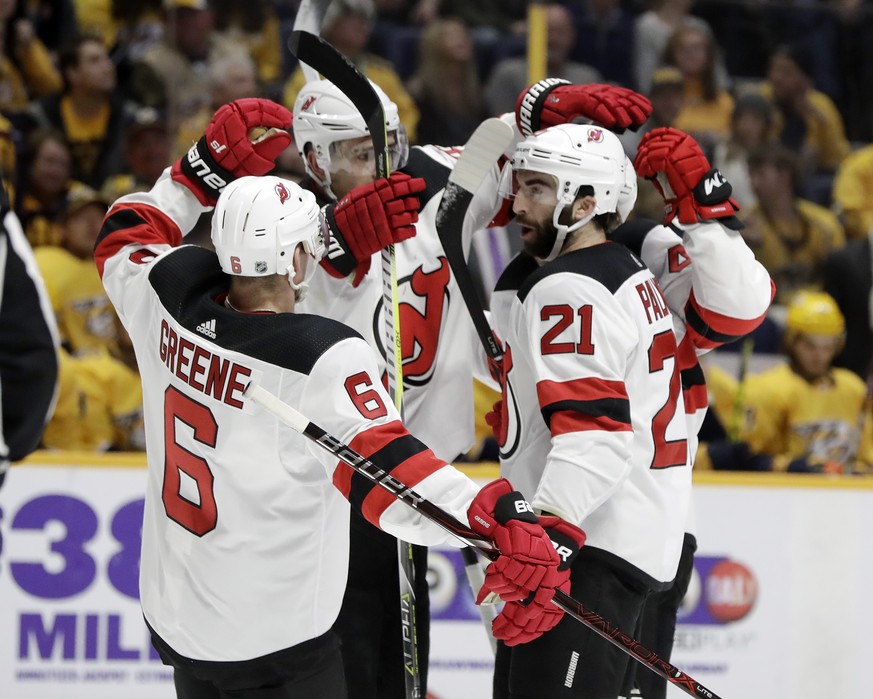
x,y
446,86
54,21
45,183
230,78
26,67
848,277
807,121
347,25
254,26
604,35
128,28
84,313
8,158
169,75
853,192
99,406
706,106
147,149
666,95
510,76
804,416
92,117
654,27
497,17
751,129
789,235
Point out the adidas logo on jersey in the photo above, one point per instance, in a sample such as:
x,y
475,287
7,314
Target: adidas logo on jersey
x,y
207,328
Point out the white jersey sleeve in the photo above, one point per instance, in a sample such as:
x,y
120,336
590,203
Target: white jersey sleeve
x,y
360,413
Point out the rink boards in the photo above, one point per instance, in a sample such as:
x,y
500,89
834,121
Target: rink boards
x,y
779,603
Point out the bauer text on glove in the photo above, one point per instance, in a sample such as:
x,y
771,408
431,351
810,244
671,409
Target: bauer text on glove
x,y
527,558
243,138
553,101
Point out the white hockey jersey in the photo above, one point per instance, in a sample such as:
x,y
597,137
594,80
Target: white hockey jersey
x,y
593,416
245,534
715,288
438,340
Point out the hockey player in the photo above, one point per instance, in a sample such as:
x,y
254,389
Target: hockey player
x,y
245,534
592,415
438,340
712,284
804,416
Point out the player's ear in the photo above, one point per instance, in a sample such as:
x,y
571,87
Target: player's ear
x,y
312,161
583,206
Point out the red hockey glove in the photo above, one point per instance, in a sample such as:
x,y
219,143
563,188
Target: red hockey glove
x,y
232,147
527,559
368,219
692,189
521,622
552,101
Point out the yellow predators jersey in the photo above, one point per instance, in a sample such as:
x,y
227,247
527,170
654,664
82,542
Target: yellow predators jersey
x,y
99,406
85,316
787,417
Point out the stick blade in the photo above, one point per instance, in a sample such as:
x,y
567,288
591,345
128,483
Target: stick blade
x,y
489,141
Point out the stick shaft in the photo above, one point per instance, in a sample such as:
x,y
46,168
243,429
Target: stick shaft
x,y
298,422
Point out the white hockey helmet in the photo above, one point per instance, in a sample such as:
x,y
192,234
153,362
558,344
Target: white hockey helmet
x,y
577,155
323,115
257,224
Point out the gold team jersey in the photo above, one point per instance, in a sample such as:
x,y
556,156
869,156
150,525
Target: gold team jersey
x,y
85,316
99,405
787,417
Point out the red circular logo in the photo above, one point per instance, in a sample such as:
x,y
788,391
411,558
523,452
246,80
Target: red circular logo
x,y
731,591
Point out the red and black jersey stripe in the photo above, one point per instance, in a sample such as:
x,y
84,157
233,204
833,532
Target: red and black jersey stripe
x,y
709,329
138,224
586,404
390,447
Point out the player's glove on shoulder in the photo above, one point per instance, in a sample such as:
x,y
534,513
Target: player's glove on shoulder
x,y
692,189
553,101
527,558
369,218
523,621
227,150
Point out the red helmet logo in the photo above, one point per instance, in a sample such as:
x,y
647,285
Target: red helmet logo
x,y
283,193
308,103
595,135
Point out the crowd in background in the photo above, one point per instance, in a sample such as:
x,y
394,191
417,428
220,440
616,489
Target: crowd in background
x,y
97,97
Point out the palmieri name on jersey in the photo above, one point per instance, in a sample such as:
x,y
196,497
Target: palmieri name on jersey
x,y
202,370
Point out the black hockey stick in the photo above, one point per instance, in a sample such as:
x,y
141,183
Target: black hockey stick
x,y
334,66
489,141
309,17
299,423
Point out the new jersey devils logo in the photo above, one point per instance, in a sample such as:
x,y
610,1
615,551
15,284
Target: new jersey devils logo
x,y
283,193
595,135
509,430
424,303
308,103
